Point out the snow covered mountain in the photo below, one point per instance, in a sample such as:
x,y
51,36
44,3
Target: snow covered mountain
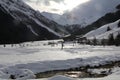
x,y
104,31
19,23
106,19
86,13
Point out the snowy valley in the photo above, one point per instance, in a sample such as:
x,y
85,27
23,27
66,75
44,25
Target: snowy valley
x,y
74,46
25,60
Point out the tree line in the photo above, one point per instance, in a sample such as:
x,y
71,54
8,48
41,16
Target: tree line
x,y
110,41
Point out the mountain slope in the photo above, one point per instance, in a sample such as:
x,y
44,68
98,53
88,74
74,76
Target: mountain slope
x,y
107,14
103,32
19,23
106,19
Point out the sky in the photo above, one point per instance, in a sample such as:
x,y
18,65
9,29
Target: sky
x,y
54,6
74,11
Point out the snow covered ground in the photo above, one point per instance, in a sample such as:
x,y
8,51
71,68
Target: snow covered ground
x,y
25,60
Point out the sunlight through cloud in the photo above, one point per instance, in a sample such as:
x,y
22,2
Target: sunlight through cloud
x,y
55,6
70,4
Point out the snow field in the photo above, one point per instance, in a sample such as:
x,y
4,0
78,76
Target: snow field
x,y
40,57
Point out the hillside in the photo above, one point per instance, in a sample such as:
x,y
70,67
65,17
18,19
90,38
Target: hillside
x,y
77,29
106,19
103,32
20,23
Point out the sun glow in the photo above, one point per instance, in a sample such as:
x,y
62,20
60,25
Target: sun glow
x,y
57,7
70,4
67,5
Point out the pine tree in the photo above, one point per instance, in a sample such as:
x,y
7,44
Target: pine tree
x,y
88,42
117,40
111,40
94,41
108,28
119,24
103,42
118,7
